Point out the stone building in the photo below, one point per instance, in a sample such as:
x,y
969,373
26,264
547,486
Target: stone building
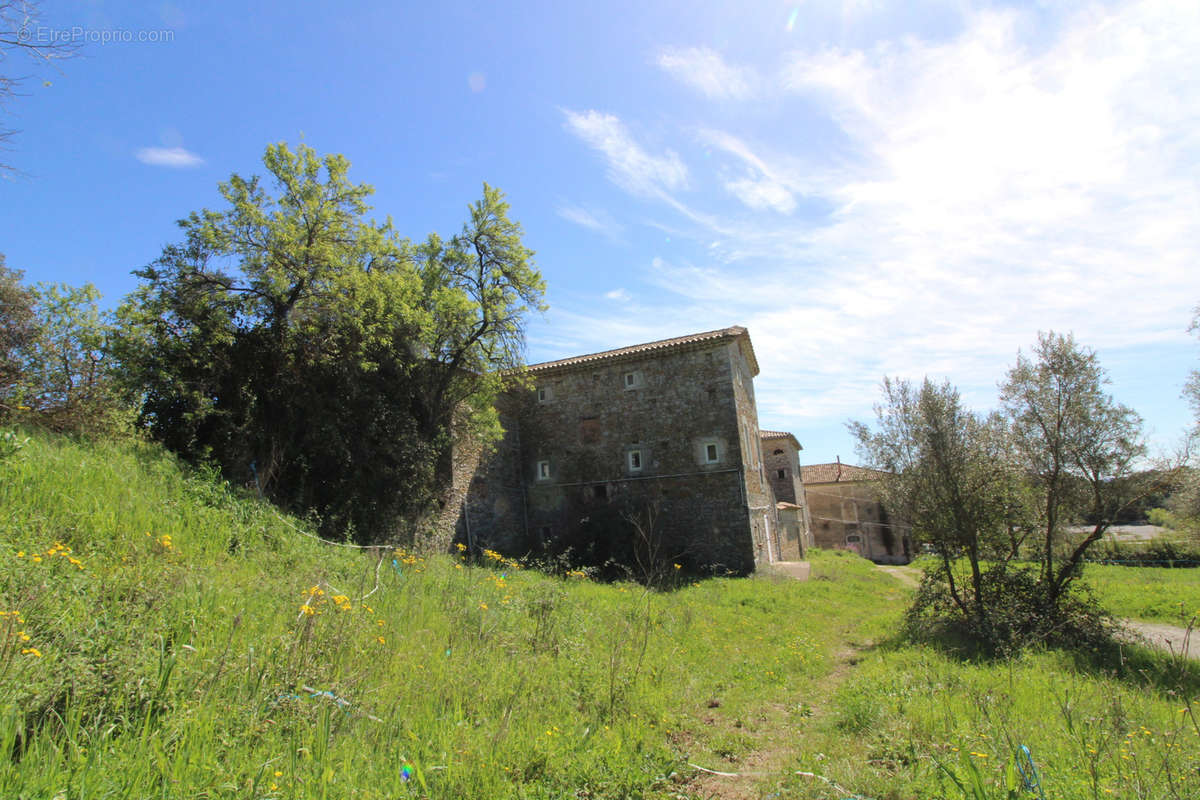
x,y
781,460
644,452
847,515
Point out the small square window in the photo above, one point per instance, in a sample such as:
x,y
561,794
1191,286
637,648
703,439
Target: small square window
x,y
543,394
782,474
711,454
543,470
635,460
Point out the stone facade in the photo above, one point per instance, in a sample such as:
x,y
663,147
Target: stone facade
x,y
781,463
659,442
847,515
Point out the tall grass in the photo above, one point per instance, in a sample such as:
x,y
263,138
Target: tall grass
x,y
185,642
165,638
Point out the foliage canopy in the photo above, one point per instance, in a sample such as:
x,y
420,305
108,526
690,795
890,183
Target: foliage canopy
x,y
317,354
989,494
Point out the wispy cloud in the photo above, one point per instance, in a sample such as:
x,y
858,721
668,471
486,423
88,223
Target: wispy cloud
x,y
619,295
598,221
758,185
986,186
176,157
705,70
629,165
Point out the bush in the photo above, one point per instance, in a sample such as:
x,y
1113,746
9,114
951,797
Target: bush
x,y
1017,614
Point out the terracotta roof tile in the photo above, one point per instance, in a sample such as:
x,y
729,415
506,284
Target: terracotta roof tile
x,y
769,435
836,472
650,347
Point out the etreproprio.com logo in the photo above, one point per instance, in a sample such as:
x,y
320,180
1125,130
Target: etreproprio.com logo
x,y
44,35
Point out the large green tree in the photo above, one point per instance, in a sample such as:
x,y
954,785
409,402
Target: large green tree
x,y
312,351
989,492
17,332
55,371
1079,446
949,472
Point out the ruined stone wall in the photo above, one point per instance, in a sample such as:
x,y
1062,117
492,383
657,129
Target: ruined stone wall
x,y
492,513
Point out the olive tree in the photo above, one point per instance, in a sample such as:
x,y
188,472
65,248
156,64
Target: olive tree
x,y
988,492
1079,447
949,473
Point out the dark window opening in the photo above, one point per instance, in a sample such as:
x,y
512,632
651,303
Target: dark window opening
x,y
782,474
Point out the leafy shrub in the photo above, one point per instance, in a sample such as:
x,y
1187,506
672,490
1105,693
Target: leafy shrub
x,y
1016,614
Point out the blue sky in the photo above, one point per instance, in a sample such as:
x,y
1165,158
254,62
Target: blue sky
x,y
909,188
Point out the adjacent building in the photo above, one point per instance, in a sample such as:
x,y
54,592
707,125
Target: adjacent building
x,y
781,460
846,513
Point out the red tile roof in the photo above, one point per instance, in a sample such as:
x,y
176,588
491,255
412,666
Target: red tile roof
x,y
769,435
837,473
625,353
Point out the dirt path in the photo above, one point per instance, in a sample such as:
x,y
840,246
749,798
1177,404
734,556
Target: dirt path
x,y
1155,634
1164,637
909,576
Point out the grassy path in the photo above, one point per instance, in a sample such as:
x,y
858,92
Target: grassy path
x,y
789,734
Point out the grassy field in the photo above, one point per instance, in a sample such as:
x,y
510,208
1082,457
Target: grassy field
x,y
1147,593
162,638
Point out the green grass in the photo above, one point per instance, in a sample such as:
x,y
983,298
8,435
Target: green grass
x,y
176,660
1153,594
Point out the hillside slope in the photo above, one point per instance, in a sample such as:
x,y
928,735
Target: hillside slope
x,y
164,638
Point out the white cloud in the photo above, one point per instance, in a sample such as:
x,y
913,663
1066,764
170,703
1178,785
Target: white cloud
x,y
176,157
759,187
982,187
629,165
598,221
705,70
619,295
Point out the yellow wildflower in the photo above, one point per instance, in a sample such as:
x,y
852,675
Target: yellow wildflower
x,y
31,651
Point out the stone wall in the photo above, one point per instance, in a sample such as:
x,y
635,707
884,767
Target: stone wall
x,y
847,515
793,544
592,445
781,460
